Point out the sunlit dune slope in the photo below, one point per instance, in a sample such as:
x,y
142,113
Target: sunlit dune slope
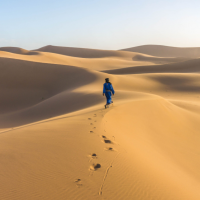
x,y
158,141
144,145
166,51
190,66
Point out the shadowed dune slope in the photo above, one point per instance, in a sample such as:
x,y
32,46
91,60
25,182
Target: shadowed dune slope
x,y
25,83
166,51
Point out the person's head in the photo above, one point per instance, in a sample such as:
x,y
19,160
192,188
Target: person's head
x,y
107,80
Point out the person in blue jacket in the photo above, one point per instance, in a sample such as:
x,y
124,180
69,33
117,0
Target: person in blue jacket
x,y
108,91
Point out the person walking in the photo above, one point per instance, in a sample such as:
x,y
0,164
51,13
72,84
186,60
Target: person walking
x,y
108,91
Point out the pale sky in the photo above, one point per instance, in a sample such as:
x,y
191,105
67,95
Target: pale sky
x,y
99,24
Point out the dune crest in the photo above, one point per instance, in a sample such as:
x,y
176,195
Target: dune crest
x,y
18,50
166,51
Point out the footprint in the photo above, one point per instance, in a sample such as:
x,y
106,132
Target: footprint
x,y
109,149
91,131
78,182
94,167
91,123
89,118
93,156
94,127
107,141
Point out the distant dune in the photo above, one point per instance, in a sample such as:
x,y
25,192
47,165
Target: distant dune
x,y
166,51
95,53
18,50
190,66
58,142
101,59
81,52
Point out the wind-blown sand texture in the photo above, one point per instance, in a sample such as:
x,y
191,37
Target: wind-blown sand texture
x,y
57,141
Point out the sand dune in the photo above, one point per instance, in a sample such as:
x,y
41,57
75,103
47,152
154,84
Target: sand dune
x,y
189,66
83,53
95,53
104,60
18,50
166,51
58,142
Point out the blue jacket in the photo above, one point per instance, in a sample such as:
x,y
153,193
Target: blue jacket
x,y
107,87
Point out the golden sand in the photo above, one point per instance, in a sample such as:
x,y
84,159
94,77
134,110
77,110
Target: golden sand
x,y
58,141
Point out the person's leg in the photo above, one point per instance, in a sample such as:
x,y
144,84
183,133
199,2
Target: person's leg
x,y
106,100
108,97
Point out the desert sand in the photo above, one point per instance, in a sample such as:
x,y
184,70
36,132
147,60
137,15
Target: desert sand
x,y
58,142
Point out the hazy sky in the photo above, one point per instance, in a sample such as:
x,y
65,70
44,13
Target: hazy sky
x,y
99,24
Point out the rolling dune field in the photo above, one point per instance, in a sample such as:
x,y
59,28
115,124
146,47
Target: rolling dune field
x,y
58,142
